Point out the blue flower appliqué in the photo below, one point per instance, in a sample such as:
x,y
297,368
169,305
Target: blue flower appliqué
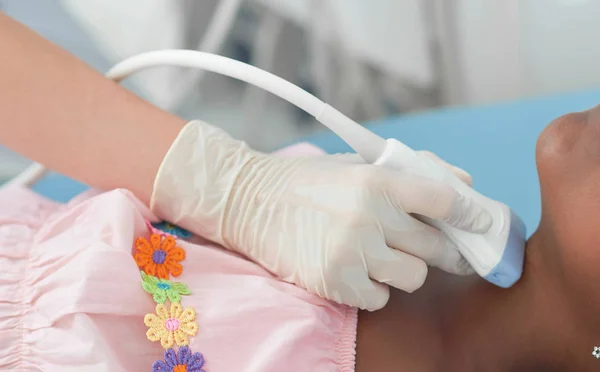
x,y
171,229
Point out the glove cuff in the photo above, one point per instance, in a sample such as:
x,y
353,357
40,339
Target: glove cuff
x,y
194,181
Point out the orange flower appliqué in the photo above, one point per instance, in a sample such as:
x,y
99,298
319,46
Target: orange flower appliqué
x,y
159,257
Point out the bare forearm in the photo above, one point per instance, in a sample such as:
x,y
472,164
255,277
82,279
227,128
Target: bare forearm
x,y
58,111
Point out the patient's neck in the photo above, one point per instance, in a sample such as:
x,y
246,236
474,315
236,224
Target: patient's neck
x,y
466,324
486,328
536,325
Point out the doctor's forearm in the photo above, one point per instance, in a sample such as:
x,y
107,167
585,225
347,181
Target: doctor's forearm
x,y
58,111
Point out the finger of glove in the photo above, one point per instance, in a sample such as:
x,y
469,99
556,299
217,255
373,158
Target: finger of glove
x,y
345,279
375,298
407,234
464,176
458,172
396,268
358,290
437,200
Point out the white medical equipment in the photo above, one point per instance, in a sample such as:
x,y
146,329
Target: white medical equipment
x,y
497,255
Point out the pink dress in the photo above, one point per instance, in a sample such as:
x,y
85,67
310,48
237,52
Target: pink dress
x,y
71,297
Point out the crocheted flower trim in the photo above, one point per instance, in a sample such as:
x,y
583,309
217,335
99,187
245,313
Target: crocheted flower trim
x,y
159,257
170,229
161,289
183,361
172,326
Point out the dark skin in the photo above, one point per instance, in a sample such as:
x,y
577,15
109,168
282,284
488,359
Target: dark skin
x,y
548,321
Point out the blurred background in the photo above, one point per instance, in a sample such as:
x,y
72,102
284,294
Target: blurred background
x,y
368,58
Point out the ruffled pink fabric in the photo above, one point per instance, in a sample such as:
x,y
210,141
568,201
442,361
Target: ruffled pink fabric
x,y
71,296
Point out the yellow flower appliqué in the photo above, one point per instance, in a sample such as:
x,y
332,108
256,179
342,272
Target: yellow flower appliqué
x,y
171,326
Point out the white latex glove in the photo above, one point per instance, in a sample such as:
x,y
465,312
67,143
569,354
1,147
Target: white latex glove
x,y
336,227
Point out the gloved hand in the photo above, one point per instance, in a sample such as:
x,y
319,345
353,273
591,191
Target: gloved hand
x,y
338,228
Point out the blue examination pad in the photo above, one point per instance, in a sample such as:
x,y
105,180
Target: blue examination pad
x,y
59,188
495,144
